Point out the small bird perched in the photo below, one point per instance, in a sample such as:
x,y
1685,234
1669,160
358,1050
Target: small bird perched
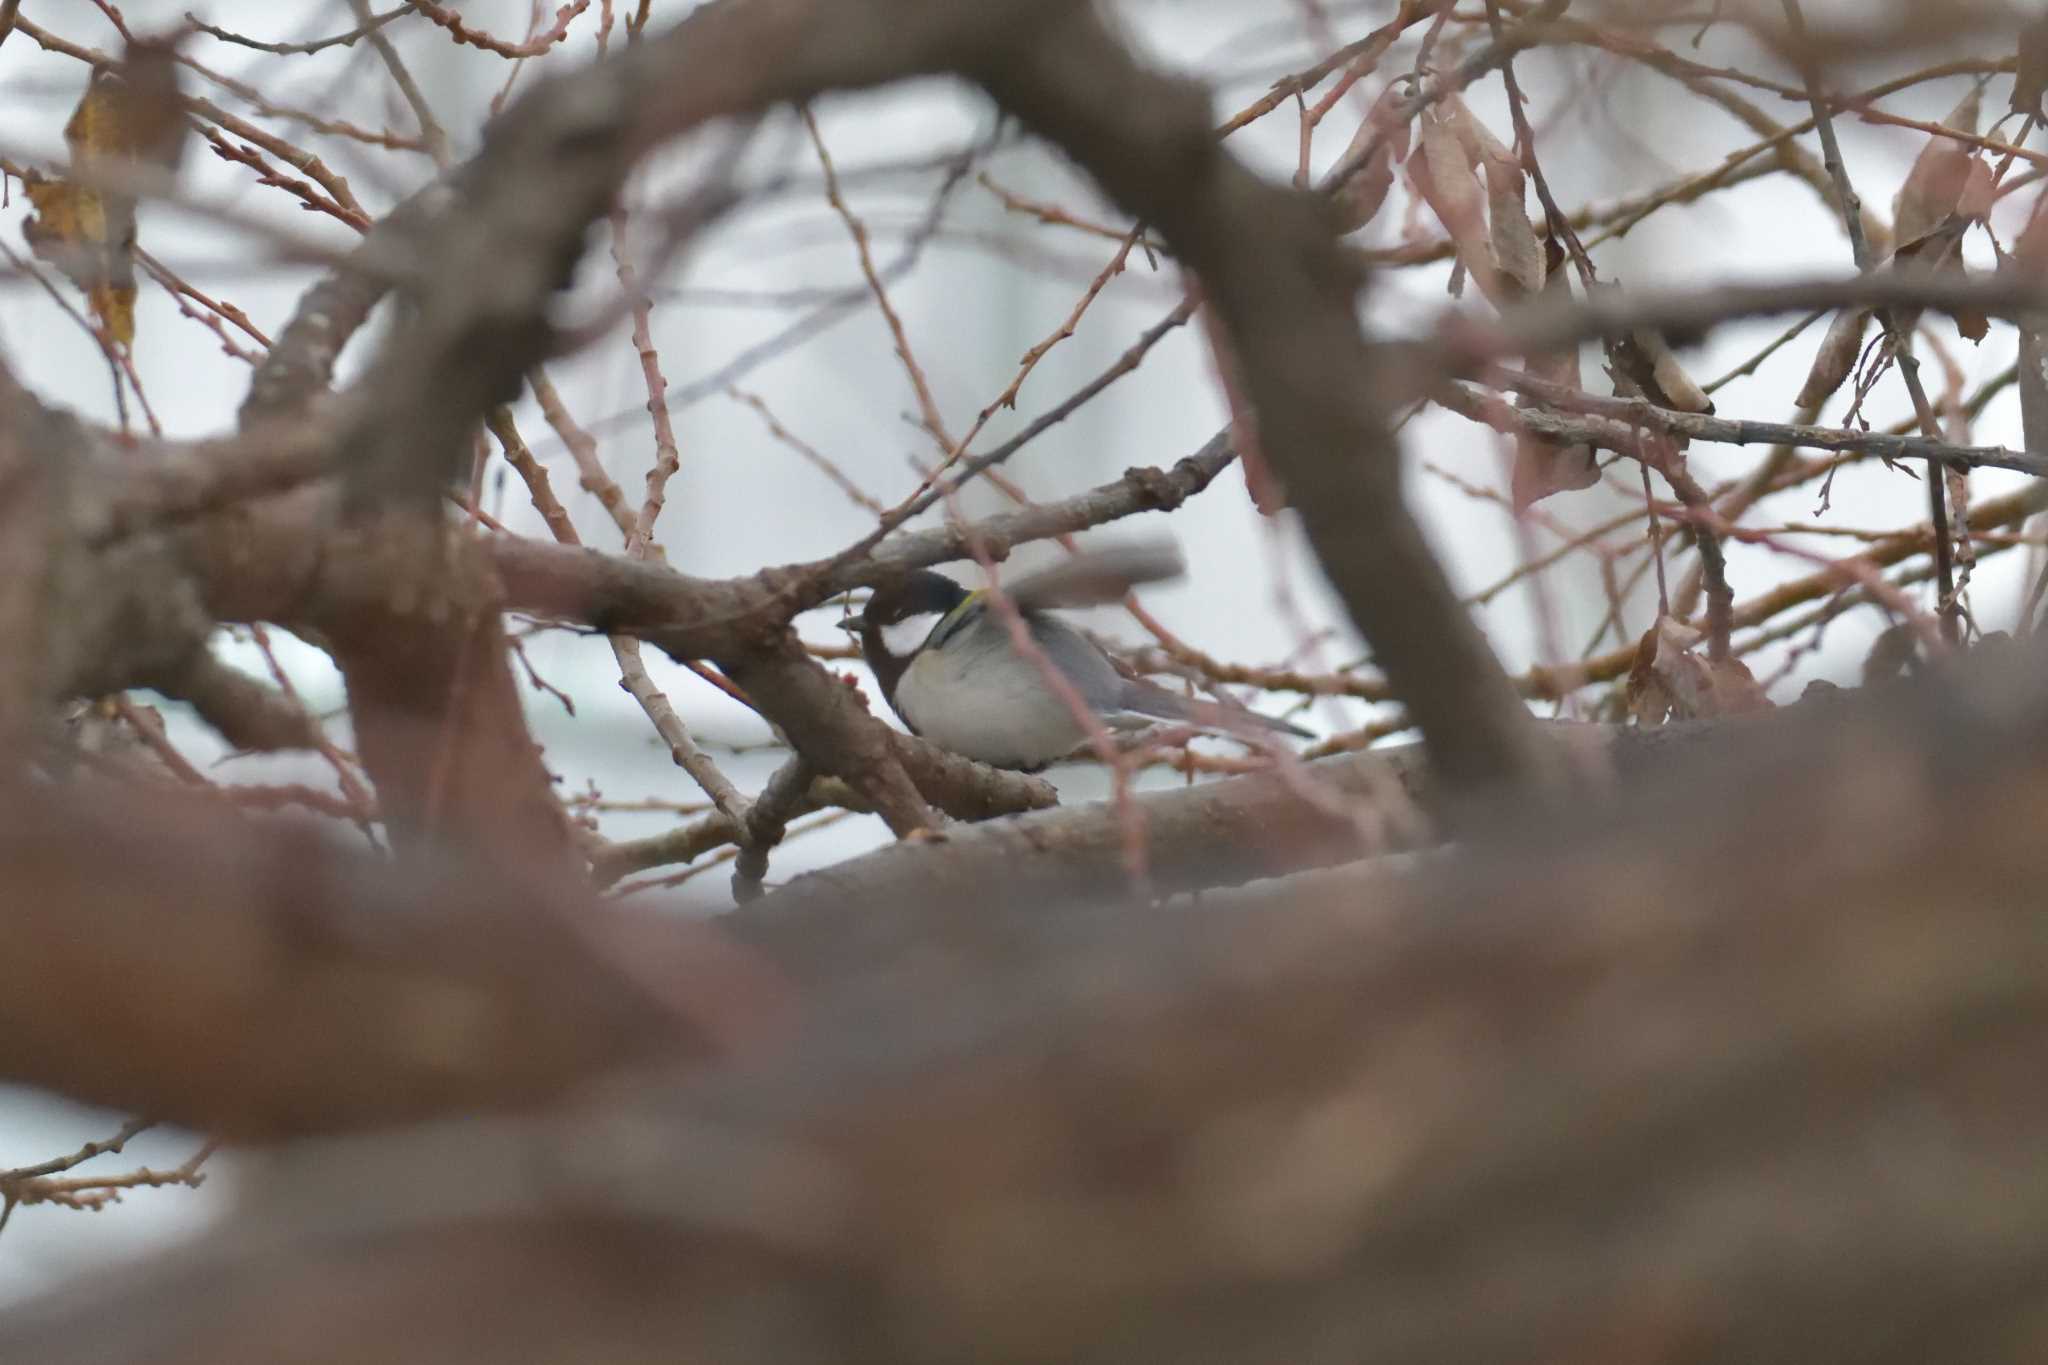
x,y
945,661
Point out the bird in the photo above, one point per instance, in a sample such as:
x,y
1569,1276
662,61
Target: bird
x,y
945,661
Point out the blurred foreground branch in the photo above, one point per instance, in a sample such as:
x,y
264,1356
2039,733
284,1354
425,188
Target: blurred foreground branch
x,y
1760,1093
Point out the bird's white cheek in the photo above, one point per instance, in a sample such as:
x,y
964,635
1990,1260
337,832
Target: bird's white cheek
x,y
906,635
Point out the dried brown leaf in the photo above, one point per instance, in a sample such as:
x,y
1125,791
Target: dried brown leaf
x,y
1971,325
1947,181
2030,248
1671,680
132,111
1382,140
88,236
1835,359
1980,193
1648,366
1735,689
1476,187
1543,467
1648,690
1678,388
1480,143
1442,173
1948,190
1517,251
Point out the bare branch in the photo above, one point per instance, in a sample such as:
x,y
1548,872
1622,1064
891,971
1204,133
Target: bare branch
x,y
248,714
1364,1103
1683,314
1269,265
252,979
1613,423
828,724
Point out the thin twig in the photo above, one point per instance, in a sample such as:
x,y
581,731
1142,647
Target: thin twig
x,y
431,133
298,49
1900,336
927,406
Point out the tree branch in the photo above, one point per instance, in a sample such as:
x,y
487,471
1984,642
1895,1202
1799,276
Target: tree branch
x,y
827,723
250,715
249,978
1684,314
1269,263
1613,424
1483,1110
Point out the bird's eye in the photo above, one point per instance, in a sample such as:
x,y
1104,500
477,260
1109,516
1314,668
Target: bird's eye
x,y
904,636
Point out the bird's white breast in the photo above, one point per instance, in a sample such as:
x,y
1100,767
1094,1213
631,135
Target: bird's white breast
x,y
987,703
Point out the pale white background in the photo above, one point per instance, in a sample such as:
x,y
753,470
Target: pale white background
x,y
741,501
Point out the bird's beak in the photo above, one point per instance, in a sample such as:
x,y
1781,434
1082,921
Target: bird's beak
x,y
850,626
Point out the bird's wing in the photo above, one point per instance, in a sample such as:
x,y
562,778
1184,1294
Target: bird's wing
x,y
1085,666
955,621
1095,578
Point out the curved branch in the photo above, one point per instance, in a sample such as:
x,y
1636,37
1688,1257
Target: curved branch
x,y
253,979
1035,866
249,715
1269,263
704,618
1513,1107
1685,314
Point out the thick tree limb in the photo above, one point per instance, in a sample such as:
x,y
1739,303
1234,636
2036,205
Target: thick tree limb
x,y
284,559
959,787
70,622
436,711
1265,255
1170,172
1766,1091
964,789
1024,872
1756,1095
250,715
33,506
828,723
252,979
705,618
300,363
1269,264
1218,834
185,479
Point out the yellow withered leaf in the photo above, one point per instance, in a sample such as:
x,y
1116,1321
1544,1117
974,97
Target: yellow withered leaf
x,y
63,211
129,118
89,239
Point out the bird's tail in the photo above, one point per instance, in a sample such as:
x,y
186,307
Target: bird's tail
x,y
1147,699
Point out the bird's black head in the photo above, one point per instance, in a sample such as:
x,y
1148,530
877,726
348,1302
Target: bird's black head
x,y
920,594
896,618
